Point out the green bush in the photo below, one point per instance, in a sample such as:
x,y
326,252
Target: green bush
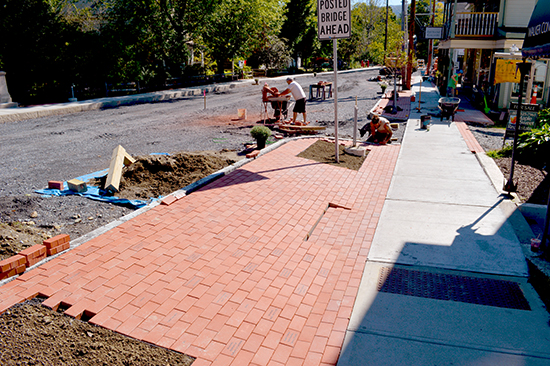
x,y
535,145
505,152
260,132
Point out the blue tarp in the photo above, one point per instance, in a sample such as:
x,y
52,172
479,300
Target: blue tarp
x,y
93,193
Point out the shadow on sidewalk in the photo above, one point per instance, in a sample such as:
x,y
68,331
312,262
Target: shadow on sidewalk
x,y
410,313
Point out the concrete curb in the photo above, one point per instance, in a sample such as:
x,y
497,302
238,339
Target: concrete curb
x,y
517,213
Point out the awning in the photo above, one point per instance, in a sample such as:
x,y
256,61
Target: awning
x,y
537,39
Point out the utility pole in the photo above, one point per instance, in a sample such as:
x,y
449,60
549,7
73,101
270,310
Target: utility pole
x,y
431,42
411,45
386,35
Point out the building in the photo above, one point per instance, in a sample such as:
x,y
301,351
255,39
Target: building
x,y
478,33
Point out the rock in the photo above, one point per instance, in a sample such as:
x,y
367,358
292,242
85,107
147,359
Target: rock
x,y
34,214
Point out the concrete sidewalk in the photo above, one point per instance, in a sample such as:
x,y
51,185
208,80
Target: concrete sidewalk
x,y
286,261
445,281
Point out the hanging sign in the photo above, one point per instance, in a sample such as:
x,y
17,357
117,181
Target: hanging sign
x,y
506,71
434,33
333,19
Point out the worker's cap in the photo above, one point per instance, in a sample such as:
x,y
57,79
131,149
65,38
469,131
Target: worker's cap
x,y
289,79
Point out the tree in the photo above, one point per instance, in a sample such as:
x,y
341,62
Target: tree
x,y
300,29
152,38
272,53
42,52
237,27
367,19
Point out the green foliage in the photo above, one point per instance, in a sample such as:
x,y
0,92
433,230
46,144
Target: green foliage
x,y
238,27
535,145
260,132
368,30
543,116
505,152
272,53
43,53
299,29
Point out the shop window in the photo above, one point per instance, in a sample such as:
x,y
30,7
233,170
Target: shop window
x,y
539,80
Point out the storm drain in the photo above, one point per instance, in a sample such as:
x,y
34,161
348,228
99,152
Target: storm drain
x,y
439,286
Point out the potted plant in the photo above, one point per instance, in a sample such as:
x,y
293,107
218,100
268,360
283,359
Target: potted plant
x,y
260,133
383,86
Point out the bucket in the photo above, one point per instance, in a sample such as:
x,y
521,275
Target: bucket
x,y
535,244
425,121
242,114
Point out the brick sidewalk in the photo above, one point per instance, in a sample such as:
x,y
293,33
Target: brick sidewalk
x,y
226,274
403,102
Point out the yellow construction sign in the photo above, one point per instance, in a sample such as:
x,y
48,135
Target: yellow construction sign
x,y
506,71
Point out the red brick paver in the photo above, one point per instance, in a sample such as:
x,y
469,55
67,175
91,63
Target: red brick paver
x,y
226,274
469,138
403,102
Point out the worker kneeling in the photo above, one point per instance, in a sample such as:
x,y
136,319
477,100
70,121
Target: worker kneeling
x,y
379,129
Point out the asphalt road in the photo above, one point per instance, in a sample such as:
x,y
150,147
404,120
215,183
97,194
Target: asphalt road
x,y
63,147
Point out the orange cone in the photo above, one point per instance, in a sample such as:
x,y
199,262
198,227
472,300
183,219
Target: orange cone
x,y
534,96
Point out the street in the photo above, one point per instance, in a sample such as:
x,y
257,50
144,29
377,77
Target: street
x,y
67,146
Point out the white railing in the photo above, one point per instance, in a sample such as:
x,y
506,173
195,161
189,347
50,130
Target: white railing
x,y
475,24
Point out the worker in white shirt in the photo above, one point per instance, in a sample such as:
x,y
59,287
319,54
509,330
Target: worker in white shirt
x,y
300,98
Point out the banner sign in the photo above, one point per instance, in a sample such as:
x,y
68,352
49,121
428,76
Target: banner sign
x,y
528,121
333,19
506,71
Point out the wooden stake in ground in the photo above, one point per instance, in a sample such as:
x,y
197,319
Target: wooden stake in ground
x,y
119,159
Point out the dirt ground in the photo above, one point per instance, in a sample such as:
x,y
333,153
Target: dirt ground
x,y
31,334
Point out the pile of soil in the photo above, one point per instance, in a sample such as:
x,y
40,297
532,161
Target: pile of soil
x,y
31,334
152,176
28,220
324,152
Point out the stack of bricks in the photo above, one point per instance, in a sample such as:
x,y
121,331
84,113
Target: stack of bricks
x,y
57,244
34,254
12,266
17,264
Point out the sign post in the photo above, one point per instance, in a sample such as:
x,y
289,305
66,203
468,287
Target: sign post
x,y
334,21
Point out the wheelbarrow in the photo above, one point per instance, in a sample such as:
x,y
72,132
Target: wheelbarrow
x,y
448,107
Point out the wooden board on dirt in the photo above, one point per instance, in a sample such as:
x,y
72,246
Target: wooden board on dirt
x,y
303,128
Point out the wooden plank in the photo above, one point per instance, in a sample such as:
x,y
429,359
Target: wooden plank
x,y
303,128
119,159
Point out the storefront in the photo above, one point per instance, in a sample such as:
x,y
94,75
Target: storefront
x,y
535,88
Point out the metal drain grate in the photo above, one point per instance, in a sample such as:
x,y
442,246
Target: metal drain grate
x,y
438,286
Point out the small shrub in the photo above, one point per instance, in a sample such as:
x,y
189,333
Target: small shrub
x,y
535,145
505,152
544,116
260,132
